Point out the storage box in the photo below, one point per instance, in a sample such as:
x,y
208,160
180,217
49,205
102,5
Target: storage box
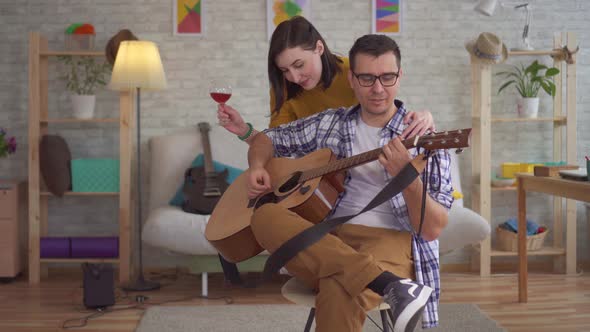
x,y
508,240
95,175
552,170
79,42
528,167
95,247
508,169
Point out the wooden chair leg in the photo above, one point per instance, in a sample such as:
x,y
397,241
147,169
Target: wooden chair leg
x,y
309,320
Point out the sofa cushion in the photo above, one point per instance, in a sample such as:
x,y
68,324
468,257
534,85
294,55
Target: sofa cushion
x,y
233,173
171,228
464,227
54,163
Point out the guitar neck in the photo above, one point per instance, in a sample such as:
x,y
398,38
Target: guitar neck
x,y
444,140
341,164
208,163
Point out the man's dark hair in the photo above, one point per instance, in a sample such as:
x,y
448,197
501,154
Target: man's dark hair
x,y
375,45
296,32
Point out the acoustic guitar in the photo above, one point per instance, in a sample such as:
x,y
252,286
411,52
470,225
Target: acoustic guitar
x,y
203,186
308,186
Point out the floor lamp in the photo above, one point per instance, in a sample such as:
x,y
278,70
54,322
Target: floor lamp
x,y
138,66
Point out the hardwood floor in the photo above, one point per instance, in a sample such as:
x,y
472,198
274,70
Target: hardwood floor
x,y
556,302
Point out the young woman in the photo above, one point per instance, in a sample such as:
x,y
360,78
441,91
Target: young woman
x,y
306,78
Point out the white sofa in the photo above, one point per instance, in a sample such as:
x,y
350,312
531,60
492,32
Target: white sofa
x,y
170,228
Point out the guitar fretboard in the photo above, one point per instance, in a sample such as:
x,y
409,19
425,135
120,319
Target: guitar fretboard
x,y
443,140
341,164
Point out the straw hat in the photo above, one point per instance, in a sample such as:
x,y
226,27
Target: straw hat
x,y
488,48
113,44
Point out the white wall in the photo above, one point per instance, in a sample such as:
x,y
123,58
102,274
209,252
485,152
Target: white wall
x,y
435,63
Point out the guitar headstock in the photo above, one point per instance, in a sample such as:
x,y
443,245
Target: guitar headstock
x,y
442,140
204,127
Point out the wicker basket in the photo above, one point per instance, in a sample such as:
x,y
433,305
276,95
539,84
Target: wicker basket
x,y
508,241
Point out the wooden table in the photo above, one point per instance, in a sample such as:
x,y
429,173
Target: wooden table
x,y
577,190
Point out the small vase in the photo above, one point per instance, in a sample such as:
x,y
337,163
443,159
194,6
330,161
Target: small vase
x,y
528,107
83,106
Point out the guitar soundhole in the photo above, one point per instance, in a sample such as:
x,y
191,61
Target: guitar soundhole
x,y
268,198
291,183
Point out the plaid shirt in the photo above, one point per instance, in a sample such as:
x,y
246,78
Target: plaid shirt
x,y
335,129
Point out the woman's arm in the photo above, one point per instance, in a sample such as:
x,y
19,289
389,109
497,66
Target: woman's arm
x,y
260,152
230,119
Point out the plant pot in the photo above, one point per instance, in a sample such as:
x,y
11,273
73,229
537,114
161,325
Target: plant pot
x,y
83,106
528,107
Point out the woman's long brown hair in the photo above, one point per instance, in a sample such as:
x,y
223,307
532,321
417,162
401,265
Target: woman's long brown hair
x,y
296,32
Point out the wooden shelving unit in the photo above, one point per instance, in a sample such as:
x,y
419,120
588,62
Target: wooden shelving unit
x,y
38,198
108,120
564,121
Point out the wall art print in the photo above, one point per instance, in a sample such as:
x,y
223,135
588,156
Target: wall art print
x,y
278,11
387,17
188,18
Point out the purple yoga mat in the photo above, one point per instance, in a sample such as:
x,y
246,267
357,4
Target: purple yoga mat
x,y
95,247
55,247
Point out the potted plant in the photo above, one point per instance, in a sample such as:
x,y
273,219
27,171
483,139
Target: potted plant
x,y
7,144
83,75
528,81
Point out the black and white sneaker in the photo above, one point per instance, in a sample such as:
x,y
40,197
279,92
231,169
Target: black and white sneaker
x,y
407,299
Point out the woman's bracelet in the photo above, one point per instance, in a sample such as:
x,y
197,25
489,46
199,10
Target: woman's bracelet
x,y
248,133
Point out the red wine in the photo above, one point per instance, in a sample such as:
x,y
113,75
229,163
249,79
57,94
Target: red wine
x,y
220,97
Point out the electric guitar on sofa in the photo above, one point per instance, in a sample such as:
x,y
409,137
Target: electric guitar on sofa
x,y
308,186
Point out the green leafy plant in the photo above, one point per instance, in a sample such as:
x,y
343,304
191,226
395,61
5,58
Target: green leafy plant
x,y
84,74
529,80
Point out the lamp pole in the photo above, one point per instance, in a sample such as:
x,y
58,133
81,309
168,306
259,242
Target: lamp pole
x,y
141,284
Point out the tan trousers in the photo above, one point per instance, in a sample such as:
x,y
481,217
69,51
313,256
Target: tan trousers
x,y
339,266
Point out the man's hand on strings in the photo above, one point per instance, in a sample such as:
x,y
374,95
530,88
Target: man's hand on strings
x,y
394,157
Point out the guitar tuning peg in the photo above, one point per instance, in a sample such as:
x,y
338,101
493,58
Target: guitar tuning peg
x,y
458,151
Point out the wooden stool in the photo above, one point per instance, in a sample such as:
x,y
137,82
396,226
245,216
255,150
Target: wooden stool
x,y
298,293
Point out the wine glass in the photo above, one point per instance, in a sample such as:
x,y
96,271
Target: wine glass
x,y
220,91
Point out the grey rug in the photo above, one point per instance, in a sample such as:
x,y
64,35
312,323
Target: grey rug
x,y
287,318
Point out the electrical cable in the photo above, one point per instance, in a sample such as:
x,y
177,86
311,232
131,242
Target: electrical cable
x,y
141,302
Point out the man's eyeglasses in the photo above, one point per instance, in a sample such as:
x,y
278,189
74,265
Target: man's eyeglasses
x,y
367,80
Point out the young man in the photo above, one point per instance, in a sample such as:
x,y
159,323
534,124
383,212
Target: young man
x,y
376,256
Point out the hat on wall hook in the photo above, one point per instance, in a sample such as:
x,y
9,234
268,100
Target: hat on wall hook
x,y
487,48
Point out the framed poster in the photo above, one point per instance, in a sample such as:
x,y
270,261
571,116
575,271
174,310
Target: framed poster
x,y
278,11
386,17
188,18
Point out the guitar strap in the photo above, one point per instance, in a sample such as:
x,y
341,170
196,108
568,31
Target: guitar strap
x,y
311,235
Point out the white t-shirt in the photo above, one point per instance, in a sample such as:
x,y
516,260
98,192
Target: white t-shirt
x,y
365,183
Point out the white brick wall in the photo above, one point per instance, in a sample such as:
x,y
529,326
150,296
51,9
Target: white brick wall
x,y
437,77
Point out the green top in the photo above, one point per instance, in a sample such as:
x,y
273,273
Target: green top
x,y
313,101
72,27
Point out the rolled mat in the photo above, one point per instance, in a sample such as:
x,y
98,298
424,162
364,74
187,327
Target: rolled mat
x,y
95,247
